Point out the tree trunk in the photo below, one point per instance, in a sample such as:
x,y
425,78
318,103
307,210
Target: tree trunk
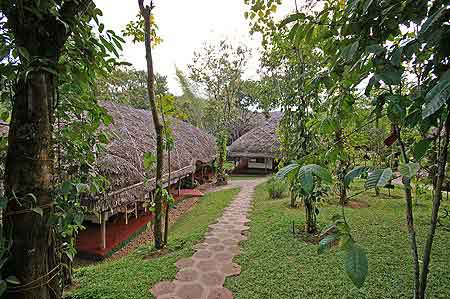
x,y
29,183
157,225
166,218
410,219
437,197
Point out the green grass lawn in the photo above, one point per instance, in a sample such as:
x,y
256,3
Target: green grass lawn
x,y
132,276
275,264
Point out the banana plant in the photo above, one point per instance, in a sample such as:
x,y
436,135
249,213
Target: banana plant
x,y
309,184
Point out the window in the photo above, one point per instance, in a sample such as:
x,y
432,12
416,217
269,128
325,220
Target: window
x,y
260,160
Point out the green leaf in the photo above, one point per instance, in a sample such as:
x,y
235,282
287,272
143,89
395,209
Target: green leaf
x,y
307,181
149,160
354,173
326,243
349,51
81,188
292,18
356,264
12,280
317,170
24,52
420,148
287,170
66,187
396,57
366,5
409,170
437,96
5,116
396,112
376,49
431,20
378,178
391,77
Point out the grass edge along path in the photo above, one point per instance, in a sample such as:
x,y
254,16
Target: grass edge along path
x,y
133,276
276,265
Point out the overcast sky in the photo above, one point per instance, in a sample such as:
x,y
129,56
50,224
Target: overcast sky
x,y
184,27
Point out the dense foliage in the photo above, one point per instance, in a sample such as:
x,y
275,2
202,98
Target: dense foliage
x,y
386,61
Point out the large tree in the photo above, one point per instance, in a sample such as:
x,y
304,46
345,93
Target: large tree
x,y
39,39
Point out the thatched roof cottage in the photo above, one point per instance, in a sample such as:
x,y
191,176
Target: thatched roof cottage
x,y
133,134
256,150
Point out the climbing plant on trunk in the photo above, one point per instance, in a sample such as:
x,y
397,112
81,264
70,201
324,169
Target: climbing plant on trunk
x,y
221,176
40,40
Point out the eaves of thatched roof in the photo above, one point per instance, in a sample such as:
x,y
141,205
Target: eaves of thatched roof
x,y
260,142
133,134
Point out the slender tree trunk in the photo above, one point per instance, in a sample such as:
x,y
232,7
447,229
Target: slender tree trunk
x,y
437,197
341,168
157,225
168,148
410,219
166,220
28,184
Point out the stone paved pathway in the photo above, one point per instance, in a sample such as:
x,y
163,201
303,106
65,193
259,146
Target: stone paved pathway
x,y
202,276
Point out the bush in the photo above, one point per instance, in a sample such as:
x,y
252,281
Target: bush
x,y
276,188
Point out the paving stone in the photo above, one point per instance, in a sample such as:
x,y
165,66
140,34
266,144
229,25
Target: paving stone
x,y
187,274
212,240
200,246
223,256
213,279
217,247
220,293
184,263
207,266
190,291
202,254
162,288
230,269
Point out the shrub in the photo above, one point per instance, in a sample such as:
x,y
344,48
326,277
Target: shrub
x,y
276,188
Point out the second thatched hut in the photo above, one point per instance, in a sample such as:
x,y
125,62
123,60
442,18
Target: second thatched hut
x,y
257,150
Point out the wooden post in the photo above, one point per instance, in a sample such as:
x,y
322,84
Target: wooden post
x,y
179,186
265,165
136,209
103,229
126,214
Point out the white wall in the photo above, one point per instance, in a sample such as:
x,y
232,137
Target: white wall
x,y
253,164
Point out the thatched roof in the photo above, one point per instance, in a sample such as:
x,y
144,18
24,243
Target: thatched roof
x,y
248,121
133,135
261,141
